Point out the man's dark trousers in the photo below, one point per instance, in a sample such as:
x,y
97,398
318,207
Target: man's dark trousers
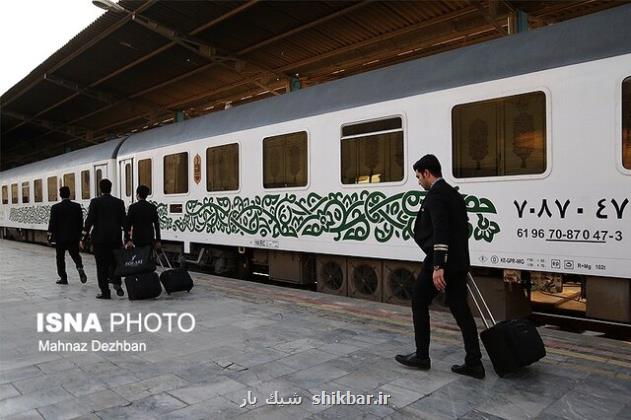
x,y
73,250
105,265
456,291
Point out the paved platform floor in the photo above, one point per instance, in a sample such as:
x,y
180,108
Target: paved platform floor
x,y
262,339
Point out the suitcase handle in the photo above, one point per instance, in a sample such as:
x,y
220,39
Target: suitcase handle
x,y
475,301
159,255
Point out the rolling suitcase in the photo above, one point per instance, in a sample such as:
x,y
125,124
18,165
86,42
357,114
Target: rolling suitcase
x,y
174,279
143,286
511,344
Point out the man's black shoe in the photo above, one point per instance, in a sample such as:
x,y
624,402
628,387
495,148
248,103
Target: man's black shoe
x,y
102,296
413,361
61,281
119,290
82,275
476,371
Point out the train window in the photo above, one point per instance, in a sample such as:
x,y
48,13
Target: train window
x,y
626,123
26,192
85,185
176,173
5,194
372,152
52,188
499,137
128,180
14,193
144,173
285,160
38,193
98,177
69,182
222,168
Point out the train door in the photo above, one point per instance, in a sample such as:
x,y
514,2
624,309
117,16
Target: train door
x,y
126,181
100,172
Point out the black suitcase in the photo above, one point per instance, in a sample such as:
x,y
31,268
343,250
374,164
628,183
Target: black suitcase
x,y
174,279
511,344
143,286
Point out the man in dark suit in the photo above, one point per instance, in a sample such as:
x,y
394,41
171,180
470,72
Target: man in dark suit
x,y
106,221
442,232
64,229
143,225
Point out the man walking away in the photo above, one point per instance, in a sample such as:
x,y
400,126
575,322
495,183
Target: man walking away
x,y
441,230
143,225
64,228
105,223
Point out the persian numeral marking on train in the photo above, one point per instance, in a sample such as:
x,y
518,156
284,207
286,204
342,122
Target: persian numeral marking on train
x,y
570,235
606,207
348,216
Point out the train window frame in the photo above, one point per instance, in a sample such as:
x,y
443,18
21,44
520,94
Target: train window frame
x,y
55,190
189,176
205,168
41,188
504,93
128,180
309,163
376,117
81,172
619,125
97,180
17,192
137,175
27,185
5,193
74,180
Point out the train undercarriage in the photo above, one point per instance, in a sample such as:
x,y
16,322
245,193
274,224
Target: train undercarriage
x,y
572,302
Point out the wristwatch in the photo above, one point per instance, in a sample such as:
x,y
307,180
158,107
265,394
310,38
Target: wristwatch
x,y
438,267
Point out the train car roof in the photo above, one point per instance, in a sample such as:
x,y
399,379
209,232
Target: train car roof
x,y
587,38
99,152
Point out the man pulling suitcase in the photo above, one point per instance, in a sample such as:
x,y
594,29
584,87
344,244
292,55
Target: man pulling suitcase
x,y
441,230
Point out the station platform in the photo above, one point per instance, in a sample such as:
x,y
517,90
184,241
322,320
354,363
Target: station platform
x,y
274,344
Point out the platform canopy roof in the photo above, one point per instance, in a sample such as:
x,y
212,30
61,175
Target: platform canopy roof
x,y
150,62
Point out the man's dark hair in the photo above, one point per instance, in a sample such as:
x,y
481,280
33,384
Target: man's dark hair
x,y
105,185
64,192
429,162
142,191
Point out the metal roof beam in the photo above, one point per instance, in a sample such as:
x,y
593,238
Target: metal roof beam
x,y
489,15
83,90
304,27
207,51
77,132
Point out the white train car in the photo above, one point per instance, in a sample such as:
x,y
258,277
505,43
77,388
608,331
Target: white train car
x,y
29,191
533,129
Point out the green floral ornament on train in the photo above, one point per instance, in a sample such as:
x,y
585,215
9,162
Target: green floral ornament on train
x,y
34,215
348,217
353,216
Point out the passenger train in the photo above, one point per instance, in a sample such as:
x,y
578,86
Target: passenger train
x,y
317,184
